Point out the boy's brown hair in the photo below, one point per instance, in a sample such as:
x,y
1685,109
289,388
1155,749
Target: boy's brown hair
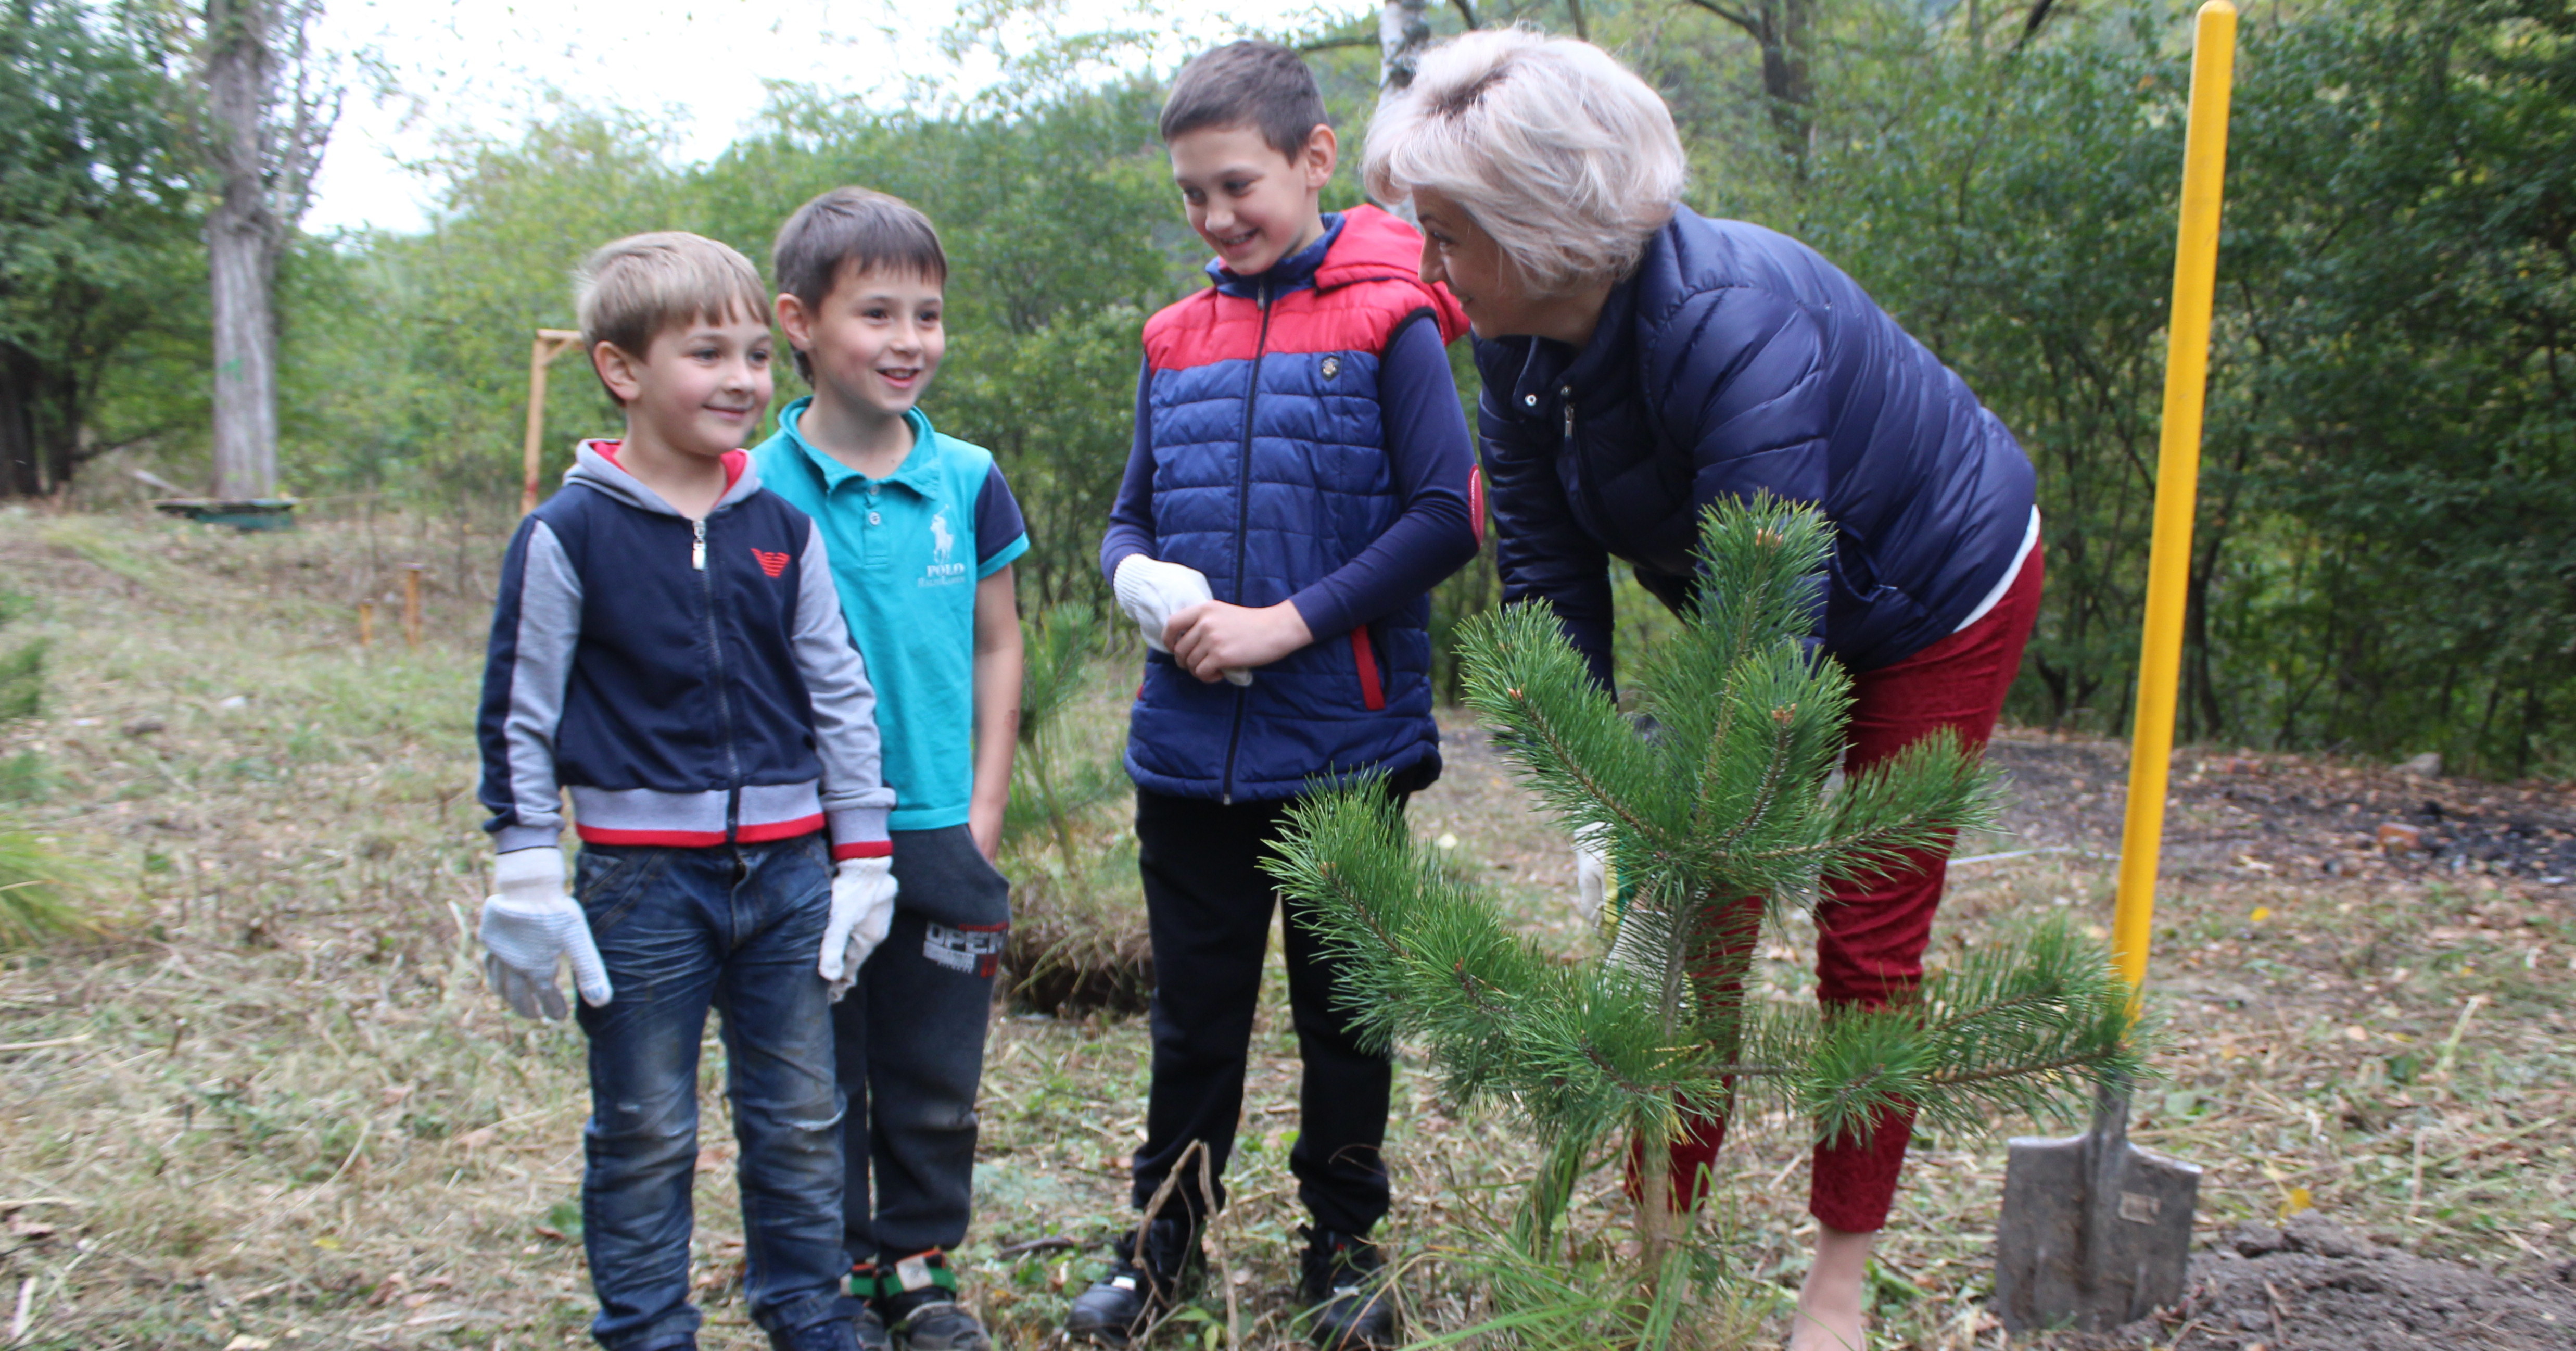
x,y
855,228
629,290
1260,85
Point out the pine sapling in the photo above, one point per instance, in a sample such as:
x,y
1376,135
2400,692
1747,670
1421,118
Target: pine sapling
x,y
1722,822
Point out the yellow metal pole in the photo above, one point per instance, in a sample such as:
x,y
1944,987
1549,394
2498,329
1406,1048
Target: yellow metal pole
x,y
2204,173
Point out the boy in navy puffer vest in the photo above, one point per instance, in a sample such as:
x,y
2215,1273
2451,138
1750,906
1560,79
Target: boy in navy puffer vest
x,y
1301,478
667,645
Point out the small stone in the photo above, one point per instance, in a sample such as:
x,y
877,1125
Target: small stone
x,y
2425,766
146,727
2255,1240
2314,1233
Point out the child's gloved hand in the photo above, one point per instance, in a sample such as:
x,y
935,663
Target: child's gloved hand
x,y
863,891
528,927
1152,591
1591,874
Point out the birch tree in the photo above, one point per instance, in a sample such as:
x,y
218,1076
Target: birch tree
x,y
271,102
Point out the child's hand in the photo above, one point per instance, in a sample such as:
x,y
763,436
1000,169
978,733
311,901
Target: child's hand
x,y
984,822
1209,639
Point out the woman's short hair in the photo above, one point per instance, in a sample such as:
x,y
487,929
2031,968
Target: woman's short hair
x,y
1558,151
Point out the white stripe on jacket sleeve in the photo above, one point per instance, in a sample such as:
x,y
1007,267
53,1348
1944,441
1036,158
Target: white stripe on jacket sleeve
x,y
549,630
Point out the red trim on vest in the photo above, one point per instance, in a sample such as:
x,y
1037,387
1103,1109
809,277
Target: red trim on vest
x,y
1476,501
1372,690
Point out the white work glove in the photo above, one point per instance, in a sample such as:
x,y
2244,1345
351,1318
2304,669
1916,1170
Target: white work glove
x,y
862,911
1591,874
528,927
1152,591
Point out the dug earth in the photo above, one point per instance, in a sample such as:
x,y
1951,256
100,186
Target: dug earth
x,y
2313,1285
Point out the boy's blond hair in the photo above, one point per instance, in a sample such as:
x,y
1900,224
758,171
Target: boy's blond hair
x,y
628,290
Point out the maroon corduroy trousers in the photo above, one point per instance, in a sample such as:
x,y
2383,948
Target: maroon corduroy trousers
x,y
1869,951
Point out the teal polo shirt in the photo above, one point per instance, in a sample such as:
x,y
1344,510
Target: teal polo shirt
x,y
907,551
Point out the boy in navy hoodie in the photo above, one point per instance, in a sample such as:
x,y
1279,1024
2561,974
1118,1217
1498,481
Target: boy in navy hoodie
x,y
667,646
1300,479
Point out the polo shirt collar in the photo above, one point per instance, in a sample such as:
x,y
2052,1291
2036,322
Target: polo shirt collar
x,y
919,470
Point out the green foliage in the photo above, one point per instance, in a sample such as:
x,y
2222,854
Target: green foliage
x,y
2379,561
1053,783
40,892
22,668
96,217
1729,801
1078,936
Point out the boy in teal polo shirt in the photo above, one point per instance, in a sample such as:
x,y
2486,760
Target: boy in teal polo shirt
x,y
922,532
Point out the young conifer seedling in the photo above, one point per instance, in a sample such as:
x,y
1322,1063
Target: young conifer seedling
x,y
1723,821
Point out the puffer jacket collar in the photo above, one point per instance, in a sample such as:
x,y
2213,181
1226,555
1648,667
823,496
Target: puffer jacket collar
x,y
1543,368
592,468
1361,244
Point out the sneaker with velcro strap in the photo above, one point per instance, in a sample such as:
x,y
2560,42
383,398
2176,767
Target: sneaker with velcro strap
x,y
917,1298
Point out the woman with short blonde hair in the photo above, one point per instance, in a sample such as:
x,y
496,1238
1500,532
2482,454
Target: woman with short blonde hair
x,y
1640,362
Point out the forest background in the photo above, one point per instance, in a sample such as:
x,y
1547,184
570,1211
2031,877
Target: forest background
x,y
2386,556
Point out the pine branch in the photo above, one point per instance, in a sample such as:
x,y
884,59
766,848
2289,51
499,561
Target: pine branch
x,y
1520,671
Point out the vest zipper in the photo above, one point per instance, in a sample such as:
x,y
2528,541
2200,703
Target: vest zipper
x,y
1243,525
715,652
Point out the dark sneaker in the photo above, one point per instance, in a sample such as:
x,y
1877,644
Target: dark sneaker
x,y
940,1324
917,1297
860,1308
1343,1282
1139,1286
833,1334
869,1329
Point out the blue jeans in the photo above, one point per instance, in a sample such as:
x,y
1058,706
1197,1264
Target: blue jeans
x,y
736,928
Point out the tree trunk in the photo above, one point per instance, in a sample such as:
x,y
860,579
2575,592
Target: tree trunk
x,y
21,464
1403,30
242,237
1784,72
1780,29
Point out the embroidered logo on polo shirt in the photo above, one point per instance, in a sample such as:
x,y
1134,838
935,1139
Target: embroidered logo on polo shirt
x,y
943,543
771,563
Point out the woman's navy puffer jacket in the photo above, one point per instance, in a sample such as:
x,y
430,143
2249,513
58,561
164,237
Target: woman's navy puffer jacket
x,y
1736,359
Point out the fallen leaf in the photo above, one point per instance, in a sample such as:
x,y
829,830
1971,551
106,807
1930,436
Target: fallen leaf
x,y
476,1139
246,1342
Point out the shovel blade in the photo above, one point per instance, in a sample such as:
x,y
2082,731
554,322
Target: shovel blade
x,y
2095,1232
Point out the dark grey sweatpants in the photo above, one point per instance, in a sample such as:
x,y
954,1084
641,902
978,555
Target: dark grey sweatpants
x,y
911,1049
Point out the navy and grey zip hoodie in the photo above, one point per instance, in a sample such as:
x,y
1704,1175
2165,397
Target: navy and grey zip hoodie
x,y
692,682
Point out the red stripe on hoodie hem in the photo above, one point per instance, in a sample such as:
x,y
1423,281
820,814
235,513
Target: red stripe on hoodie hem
x,y
778,830
669,839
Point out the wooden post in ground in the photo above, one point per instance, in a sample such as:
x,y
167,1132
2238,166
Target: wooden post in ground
x,y
550,343
366,623
411,605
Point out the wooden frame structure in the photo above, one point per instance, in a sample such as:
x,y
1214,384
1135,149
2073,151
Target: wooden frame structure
x,y
550,343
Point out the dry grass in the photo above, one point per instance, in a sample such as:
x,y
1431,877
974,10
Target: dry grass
x,y
276,1107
